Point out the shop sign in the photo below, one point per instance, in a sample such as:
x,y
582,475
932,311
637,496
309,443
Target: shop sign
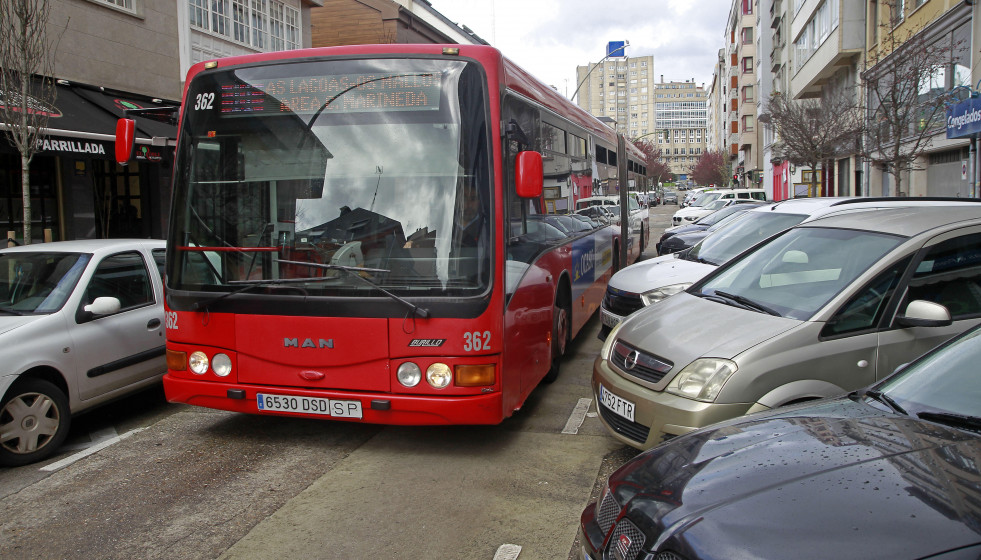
x,y
964,118
34,105
146,153
71,146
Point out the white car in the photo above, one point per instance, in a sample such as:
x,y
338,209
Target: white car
x,y
81,323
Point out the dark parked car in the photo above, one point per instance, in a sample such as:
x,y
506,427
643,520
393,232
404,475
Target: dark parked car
x,y
891,471
699,227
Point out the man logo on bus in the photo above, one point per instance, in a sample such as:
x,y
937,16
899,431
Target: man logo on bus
x,y
308,343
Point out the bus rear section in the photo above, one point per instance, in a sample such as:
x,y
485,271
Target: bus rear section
x,y
348,240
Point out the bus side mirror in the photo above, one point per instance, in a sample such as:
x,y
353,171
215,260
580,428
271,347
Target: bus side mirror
x,y
528,175
125,137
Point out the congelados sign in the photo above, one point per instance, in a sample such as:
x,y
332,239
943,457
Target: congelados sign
x,y
964,119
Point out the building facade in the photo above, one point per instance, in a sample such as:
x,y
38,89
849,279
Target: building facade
x,y
384,21
681,124
622,89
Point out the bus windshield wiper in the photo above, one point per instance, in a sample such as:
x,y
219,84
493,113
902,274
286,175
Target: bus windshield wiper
x,y
746,302
887,400
247,285
972,423
353,272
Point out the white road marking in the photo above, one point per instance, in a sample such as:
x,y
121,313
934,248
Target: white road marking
x,y
577,417
507,552
95,438
94,449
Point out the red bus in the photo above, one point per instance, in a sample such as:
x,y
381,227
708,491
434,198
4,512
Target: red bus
x,y
380,234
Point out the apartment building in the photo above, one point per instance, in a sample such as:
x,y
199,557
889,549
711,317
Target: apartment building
x,y
949,28
681,124
362,22
741,96
622,89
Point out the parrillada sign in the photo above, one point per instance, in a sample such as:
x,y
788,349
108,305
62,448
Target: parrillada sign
x,y
81,147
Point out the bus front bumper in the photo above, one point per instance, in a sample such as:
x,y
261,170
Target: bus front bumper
x,y
375,408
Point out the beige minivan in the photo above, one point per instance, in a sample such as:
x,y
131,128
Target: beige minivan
x,y
826,307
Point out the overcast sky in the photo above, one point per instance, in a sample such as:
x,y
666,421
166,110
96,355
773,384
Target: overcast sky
x,y
549,38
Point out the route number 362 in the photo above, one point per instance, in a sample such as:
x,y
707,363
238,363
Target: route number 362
x,y
476,341
204,101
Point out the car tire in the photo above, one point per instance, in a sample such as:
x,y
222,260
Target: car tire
x,y
34,419
560,340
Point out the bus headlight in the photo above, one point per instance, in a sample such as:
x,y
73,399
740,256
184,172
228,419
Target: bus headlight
x,y
221,365
439,375
409,374
198,363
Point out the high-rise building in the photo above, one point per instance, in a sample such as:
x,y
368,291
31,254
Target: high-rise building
x,y
681,124
621,88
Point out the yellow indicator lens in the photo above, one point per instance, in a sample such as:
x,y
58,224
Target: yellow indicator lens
x,y
451,50
176,361
474,376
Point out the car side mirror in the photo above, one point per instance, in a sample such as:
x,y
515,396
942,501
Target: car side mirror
x,y
103,306
528,174
922,313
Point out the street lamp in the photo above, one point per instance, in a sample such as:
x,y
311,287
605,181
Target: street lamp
x,y
586,77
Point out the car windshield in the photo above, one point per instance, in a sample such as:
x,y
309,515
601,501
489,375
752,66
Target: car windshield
x,y
285,170
946,380
717,218
799,272
38,282
744,231
706,198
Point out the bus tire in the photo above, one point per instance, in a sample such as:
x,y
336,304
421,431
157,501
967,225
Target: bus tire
x,y
560,340
38,410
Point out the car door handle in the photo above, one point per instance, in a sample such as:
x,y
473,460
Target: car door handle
x,y
154,323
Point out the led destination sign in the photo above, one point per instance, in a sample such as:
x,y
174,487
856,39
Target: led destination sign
x,y
342,93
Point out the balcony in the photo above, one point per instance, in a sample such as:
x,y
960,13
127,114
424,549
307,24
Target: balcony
x,y
841,48
776,14
776,59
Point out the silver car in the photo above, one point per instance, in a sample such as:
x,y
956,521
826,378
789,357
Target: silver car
x,y
81,323
828,306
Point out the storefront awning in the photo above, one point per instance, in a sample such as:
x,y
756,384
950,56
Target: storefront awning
x,y
83,118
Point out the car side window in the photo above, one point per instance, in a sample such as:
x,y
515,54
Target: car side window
x,y
950,274
864,311
123,276
160,257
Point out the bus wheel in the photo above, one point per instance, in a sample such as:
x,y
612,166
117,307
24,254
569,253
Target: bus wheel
x,y
560,338
35,419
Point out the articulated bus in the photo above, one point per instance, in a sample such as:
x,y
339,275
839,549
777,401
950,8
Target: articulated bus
x,y
376,234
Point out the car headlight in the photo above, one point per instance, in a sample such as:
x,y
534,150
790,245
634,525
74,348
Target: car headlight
x,y
702,380
439,375
658,294
221,365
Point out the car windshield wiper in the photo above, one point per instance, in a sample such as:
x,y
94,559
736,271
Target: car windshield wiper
x,y
746,302
353,272
887,400
10,311
972,423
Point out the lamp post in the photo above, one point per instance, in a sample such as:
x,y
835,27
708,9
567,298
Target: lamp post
x,y
586,77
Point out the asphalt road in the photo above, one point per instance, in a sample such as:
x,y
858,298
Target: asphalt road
x,y
142,478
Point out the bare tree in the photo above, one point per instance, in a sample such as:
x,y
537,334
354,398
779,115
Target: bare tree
x,y
657,170
813,131
906,92
712,168
27,90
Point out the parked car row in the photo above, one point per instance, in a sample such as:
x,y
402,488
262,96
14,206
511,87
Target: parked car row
x,y
835,300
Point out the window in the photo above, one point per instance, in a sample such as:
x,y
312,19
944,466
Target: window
x,y
949,274
747,94
747,64
122,276
747,35
268,25
747,7
898,12
124,5
748,123
865,310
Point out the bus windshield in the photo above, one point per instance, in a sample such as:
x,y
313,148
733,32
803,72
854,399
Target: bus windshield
x,y
336,177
